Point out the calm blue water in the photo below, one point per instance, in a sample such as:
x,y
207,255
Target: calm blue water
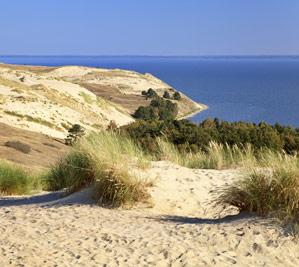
x,y
250,89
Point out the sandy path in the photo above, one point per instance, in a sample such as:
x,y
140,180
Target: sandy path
x,y
170,234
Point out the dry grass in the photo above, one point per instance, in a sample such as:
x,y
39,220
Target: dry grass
x,y
103,160
217,156
269,190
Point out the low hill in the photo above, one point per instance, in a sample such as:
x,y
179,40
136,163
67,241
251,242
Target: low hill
x,y
51,99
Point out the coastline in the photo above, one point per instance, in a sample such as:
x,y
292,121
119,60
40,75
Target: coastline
x,y
201,108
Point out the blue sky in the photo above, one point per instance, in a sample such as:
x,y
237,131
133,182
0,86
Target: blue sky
x,y
149,27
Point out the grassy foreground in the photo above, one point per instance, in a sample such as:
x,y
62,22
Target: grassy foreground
x,y
102,160
105,161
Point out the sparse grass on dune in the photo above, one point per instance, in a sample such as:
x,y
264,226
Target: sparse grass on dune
x,y
103,160
14,180
270,190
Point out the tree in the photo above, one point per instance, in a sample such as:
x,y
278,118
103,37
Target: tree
x,y
145,113
159,108
166,95
150,93
177,96
74,133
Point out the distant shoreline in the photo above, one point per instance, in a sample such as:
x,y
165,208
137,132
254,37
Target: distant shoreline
x,y
193,113
163,56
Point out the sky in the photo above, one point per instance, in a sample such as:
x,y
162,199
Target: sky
x,y
149,27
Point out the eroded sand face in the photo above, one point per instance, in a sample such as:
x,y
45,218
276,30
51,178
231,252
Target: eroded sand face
x,y
183,228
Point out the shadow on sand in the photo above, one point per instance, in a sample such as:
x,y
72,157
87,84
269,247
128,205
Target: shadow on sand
x,y
195,220
50,198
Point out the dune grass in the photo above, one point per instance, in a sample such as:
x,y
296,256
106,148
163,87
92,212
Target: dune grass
x,y
270,190
103,160
14,180
217,156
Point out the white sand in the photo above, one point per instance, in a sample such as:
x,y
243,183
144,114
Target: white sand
x,y
182,229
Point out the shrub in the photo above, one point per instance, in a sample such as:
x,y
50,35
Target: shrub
x,y
24,148
16,181
74,133
151,93
145,113
177,96
166,95
158,109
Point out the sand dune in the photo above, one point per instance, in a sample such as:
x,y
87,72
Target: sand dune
x,y
50,100
182,228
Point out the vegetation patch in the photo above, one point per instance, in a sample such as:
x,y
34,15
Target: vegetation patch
x,y
17,145
102,160
159,109
189,137
32,119
16,86
269,191
16,181
87,98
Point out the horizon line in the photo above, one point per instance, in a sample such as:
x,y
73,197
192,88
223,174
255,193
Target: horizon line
x,y
167,56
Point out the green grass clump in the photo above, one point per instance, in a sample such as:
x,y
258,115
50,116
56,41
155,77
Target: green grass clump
x,y
16,181
271,190
102,160
73,172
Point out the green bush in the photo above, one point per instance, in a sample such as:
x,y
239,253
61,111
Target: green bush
x,y
190,137
177,96
159,109
150,93
166,95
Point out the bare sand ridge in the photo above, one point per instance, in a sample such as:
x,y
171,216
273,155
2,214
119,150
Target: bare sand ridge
x,y
181,227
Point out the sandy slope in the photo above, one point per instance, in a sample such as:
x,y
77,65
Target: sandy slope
x,y
50,100
182,229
